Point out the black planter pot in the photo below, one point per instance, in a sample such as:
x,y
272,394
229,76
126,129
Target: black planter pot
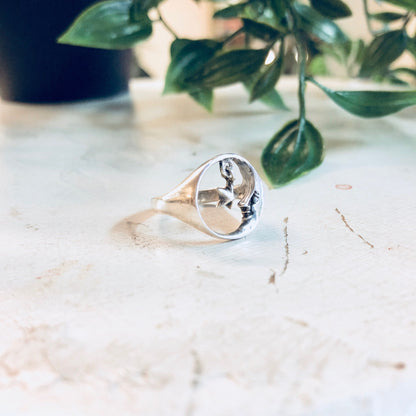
x,y
35,69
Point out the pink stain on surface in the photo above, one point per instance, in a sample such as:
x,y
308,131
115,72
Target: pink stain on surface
x,y
343,186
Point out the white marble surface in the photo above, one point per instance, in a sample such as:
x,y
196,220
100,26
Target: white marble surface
x,y
106,310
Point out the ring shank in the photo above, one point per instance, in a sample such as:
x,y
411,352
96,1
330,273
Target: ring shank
x,y
158,204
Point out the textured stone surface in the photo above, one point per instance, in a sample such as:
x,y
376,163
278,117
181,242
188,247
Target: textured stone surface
x,y
106,309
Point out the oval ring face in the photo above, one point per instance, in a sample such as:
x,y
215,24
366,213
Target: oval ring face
x,y
229,197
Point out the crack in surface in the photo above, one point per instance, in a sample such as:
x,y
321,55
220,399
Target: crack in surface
x,y
195,382
286,235
272,278
386,364
297,321
351,229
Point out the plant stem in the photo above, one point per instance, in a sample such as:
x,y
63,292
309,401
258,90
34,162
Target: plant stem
x,y
368,18
302,57
302,81
165,24
407,20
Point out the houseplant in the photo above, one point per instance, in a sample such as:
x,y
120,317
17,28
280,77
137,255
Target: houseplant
x,y
34,68
199,66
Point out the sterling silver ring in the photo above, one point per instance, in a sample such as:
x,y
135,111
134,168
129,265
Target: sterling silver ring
x,y
229,210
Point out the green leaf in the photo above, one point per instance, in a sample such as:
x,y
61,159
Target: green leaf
x,y
394,80
335,9
273,100
235,10
370,103
260,30
382,51
318,66
406,71
358,51
394,76
411,46
323,28
204,98
387,17
257,10
406,4
228,67
187,57
108,25
178,45
269,77
295,150
278,7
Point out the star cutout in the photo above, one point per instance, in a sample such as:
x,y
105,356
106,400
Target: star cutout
x,y
226,197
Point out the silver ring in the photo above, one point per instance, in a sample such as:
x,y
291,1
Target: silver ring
x,y
230,210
